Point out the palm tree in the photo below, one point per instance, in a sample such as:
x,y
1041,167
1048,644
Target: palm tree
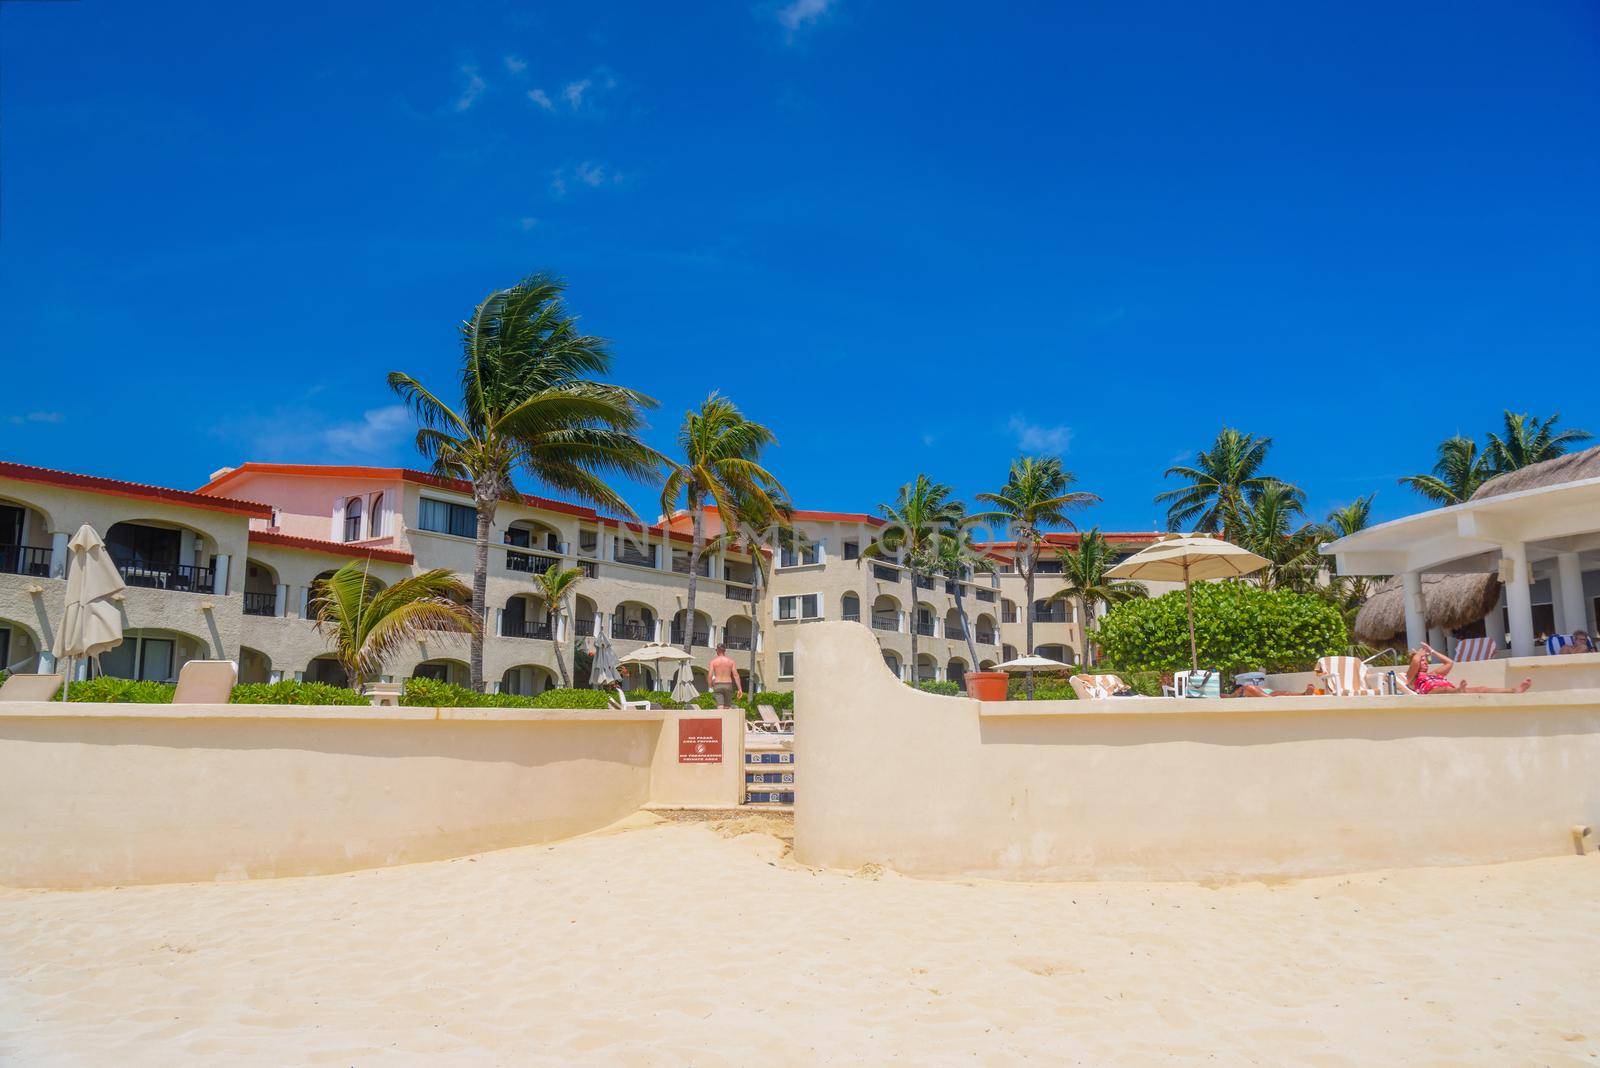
x,y
366,621
1269,529
1038,493
1456,475
954,555
558,584
529,405
922,513
1224,480
1529,440
1343,522
757,530
721,453
1083,574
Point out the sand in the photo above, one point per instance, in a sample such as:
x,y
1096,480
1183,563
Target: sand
x,y
686,942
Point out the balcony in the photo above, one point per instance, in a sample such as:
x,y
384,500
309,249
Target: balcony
x,y
926,628
954,632
632,631
682,567
25,560
584,627
589,568
1055,613
530,563
183,578
885,622
739,593
985,595
260,604
988,637
737,644
885,573
852,617
924,582
525,628
628,554
701,637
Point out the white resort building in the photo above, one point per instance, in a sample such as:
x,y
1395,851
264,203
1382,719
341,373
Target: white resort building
x,y
225,572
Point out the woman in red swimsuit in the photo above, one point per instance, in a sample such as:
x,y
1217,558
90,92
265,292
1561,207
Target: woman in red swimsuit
x,y
1423,678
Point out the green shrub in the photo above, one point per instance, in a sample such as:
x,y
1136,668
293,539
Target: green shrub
x,y
120,691
431,693
1045,688
1237,627
943,687
569,697
289,692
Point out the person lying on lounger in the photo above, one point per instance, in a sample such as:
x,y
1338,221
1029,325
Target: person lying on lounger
x,y
1422,677
1250,689
1580,643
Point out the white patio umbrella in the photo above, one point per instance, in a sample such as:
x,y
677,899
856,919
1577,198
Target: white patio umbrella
x,y
92,621
1188,558
683,688
603,670
656,654
1030,664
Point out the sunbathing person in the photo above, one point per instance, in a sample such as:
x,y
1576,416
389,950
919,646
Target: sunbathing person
x,y
1250,689
1423,678
1580,643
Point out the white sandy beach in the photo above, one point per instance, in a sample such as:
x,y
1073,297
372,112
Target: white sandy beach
x,y
678,943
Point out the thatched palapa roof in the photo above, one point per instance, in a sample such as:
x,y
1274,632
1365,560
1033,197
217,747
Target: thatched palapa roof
x,y
1449,601
1573,467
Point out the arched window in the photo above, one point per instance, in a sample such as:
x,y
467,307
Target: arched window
x,y
352,519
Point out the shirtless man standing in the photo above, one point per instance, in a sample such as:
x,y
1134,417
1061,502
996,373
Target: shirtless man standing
x,y
725,678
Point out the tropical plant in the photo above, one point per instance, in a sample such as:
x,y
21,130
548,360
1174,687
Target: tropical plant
x,y
1238,627
1223,481
529,405
1350,592
557,585
954,555
1345,521
1457,472
1273,528
1527,440
1038,494
760,529
721,453
923,512
366,621
1083,575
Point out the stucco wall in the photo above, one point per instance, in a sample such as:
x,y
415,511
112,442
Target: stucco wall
x,y
1146,788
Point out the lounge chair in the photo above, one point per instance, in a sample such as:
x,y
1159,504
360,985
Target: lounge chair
x,y
620,703
1469,650
1200,683
205,682
769,722
31,688
1344,676
1096,687
1557,642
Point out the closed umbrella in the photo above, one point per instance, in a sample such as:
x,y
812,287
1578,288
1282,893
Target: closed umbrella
x,y
604,670
92,622
656,654
684,690
1189,558
1030,664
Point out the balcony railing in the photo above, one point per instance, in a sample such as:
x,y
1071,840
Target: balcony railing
x,y
985,595
627,554
885,573
682,567
924,582
739,593
882,622
1054,614
185,578
988,637
584,627
25,560
632,631
525,628
530,563
589,568
701,637
954,632
737,644
260,604
852,617
926,629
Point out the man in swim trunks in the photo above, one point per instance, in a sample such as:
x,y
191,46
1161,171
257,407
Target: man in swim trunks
x,y
1423,678
725,678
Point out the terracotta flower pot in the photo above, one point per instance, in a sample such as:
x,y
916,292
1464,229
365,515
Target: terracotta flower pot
x,y
987,685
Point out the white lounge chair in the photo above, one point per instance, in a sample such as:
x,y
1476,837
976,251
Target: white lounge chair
x,y
770,723
205,682
620,703
1344,676
1470,650
31,688
1096,687
1200,683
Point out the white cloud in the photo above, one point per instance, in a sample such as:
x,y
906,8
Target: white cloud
x,y
528,222
801,13
1032,437
540,97
516,64
378,430
573,93
37,417
474,88
594,174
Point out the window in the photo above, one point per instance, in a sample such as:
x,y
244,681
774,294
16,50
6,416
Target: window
x,y
792,557
852,550
517,536
806,606
785,665
445,518
352,519
375,517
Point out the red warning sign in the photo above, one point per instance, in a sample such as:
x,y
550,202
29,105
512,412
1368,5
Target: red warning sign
x,y
700,741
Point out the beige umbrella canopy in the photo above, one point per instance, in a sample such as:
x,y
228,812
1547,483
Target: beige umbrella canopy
x,y
684,690
655,655
92,621
1030,664
1189,558
603,670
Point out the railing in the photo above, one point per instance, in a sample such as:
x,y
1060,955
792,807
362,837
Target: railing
x,y
701,637
1047,567
530,563
584,627
25,560
740,593
185,578
880,622
852,617
924,582
525,628
740,644
260,604
1050,615
988,637
925,629
627,554
954,632
589,568
985,595
884,573
638,632
682,567
1008,617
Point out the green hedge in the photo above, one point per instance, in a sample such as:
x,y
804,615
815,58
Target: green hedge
x,y
289,692
1238,627
120,691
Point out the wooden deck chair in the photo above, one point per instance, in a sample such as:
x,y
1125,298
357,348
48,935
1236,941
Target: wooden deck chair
x,y
205,682
1469,650
1344,676
31,688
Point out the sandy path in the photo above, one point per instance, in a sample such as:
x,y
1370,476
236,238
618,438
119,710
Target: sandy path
x,y
673,944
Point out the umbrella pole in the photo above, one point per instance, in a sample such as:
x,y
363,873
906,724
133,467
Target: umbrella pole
x,y
1188,597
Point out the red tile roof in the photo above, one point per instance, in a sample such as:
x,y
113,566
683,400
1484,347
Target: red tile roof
x,y
337,548
117,487
405,474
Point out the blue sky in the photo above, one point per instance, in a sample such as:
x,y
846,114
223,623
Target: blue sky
x,y
910,237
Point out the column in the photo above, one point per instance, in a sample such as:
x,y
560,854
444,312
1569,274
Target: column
x,y
1519,601
280,602
58,554
1416,623
1568,579
1494,627
219,585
